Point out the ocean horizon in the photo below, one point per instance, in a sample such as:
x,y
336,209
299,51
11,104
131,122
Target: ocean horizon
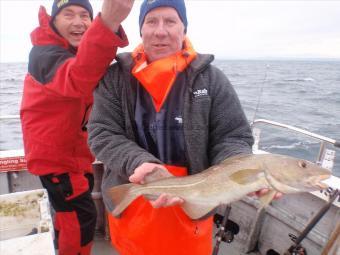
x,y
321,59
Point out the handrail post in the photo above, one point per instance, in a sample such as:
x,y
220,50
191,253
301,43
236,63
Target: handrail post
x,y
321,153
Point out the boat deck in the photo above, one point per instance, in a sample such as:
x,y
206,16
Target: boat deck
x,y
102,246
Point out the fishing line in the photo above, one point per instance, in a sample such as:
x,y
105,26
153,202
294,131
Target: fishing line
x,y
261,92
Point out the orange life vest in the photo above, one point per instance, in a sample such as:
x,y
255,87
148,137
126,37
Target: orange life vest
x,y
158,77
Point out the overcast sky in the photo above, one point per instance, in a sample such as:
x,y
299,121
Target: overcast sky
x,y
228,29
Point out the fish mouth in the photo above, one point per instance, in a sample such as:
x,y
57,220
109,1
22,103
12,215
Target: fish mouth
x,y
327,181
322,183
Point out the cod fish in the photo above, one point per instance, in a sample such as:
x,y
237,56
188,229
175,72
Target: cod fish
x,y
227,182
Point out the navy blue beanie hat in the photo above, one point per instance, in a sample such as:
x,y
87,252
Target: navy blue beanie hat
x,y
58,5
149,5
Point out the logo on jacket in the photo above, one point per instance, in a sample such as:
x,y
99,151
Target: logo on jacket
x,y
200,92
179,120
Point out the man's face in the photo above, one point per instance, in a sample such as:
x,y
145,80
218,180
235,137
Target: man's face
x,y
72,22
162,33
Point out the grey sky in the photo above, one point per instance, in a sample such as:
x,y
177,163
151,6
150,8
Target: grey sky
x,y
229,29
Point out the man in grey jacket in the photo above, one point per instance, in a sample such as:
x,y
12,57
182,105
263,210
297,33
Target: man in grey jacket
x,y
163,106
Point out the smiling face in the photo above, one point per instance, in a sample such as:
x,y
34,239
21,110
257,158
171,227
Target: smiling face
x,y
162,33
72,22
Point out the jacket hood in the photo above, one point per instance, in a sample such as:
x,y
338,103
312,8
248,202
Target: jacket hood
x,y
44,34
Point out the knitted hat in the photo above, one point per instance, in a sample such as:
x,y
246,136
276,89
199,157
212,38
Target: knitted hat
x,y
58,5
149,5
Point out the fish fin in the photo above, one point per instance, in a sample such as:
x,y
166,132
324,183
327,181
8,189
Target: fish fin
x,y
198,212
245,176
267,198
121,197
157,174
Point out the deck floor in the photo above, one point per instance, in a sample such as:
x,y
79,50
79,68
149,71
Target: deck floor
x,y
102,247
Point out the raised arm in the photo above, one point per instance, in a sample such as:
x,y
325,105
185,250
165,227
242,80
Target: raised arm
x,y
77,75
114,12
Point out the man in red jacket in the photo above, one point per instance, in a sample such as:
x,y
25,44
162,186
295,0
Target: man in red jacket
x,y
69,56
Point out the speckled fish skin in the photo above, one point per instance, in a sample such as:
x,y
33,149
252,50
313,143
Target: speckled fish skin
x,y
227,182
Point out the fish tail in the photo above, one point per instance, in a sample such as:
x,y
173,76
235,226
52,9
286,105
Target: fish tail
x,y
122,196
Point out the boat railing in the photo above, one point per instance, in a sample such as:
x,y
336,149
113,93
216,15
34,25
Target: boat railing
x,y
325,156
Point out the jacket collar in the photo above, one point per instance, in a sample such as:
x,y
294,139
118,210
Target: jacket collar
x,y
126,62
158,77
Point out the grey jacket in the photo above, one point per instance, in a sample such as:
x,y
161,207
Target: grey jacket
x,y
215,126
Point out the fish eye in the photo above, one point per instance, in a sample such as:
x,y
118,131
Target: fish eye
x,y
302,164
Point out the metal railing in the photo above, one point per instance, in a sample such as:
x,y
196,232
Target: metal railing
x,y
322,139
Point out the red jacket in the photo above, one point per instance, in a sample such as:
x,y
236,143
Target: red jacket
x,y
57,95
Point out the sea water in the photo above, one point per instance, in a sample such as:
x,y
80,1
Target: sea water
x,y
305,94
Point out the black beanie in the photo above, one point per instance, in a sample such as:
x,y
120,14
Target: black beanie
x,y
58,5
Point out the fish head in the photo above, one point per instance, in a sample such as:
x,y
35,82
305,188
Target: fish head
x,y
291,175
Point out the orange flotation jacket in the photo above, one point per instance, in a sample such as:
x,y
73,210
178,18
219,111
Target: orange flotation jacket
x,y
143,230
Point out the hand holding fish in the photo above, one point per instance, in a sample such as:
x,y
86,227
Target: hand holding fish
x,y
165,200
148,172
263,192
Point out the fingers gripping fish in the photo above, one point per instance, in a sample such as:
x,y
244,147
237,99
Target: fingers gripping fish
x,y
227,182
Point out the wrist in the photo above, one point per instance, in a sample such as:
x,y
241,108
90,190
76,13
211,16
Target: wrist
x,y
112,25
